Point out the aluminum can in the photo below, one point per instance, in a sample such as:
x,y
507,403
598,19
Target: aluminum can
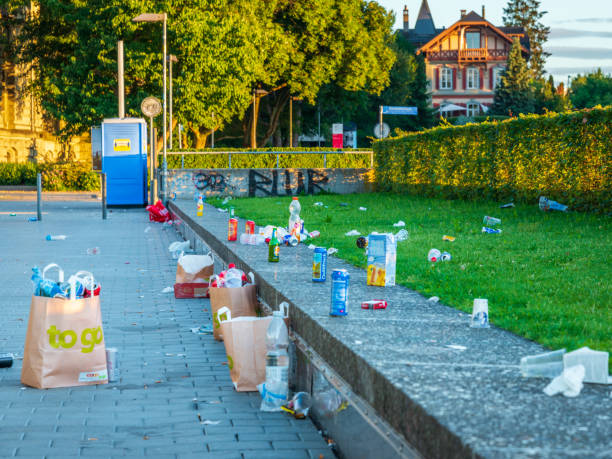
x,y
374,304
250,227
339,295
319,265
445,256
314,234
492,221
232,229
290,240
491,230
112,364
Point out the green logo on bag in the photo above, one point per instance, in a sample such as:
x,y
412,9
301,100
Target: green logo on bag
x,y
68,338
230,362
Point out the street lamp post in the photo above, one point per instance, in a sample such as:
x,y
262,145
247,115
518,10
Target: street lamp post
x,y
160,17
171,58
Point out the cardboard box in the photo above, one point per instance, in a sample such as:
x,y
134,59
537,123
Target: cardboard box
x,y
382,255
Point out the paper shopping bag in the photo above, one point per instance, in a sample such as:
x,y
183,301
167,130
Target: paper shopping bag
x,y
64,343
245,346
193,276
241,301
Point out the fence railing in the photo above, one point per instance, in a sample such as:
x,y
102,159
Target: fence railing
x,y
277,153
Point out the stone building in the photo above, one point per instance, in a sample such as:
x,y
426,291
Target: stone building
x,y
464,62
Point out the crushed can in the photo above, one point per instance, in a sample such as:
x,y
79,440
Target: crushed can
x,y
339,295
112,364
374,304
319,265
448,238
232,229
290,240
491,230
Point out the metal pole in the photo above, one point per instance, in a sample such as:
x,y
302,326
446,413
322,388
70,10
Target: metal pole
x,y
380,121
319,116
103,177
277,158
151,161
253,131
324,160
170,102
229,157
120,80
165,165
290,121
182,161
180,129
39,196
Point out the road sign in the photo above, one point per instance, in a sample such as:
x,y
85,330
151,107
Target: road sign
x,y
390,110
151,106
385,131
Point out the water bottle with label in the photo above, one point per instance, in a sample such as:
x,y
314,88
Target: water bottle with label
x,y
294,215
276,388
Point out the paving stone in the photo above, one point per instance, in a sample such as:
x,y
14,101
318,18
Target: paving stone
x,y
63,422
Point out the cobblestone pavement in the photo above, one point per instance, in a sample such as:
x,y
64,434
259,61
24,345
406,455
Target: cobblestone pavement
x,y
175,398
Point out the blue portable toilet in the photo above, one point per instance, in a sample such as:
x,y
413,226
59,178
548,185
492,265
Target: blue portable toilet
x,y
124,160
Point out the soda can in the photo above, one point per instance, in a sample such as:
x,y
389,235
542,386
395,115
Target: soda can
x,y
491,221
232,229
250,227
231,212
112,364
314,234
491,230
362,242
374,304
339,295
290,240
319,265
448,238
445,256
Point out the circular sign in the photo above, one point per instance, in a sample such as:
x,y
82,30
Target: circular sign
x,y
385,131
151,106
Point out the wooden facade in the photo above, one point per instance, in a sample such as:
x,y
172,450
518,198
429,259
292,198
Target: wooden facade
x,y
465,61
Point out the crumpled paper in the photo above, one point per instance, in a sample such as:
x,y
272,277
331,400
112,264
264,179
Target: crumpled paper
x,y
363,209
332,250
569,383
399,224
352,233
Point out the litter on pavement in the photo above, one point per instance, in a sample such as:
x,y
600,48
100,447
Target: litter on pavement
x,y
168,290
203,330
331,251
569,383
433,299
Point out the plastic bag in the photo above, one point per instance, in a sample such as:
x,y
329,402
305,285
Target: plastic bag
x,y
158,212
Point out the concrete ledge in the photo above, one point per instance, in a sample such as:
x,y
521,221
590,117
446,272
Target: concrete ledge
x,y
445,402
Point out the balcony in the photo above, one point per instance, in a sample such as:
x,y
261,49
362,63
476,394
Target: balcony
x,y
473,55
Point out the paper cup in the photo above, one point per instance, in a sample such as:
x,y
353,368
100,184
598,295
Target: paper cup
x,y
480,313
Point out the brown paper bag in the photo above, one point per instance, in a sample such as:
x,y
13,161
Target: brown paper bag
x,y
245,346
64,343
241,301
185,275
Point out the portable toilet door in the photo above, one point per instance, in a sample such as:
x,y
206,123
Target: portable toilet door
x,y
124,160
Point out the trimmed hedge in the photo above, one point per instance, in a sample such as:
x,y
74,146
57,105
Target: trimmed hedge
x,y
347,159
55,176
566,157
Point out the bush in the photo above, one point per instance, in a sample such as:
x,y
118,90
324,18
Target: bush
x,y
55,176
286,160
566,157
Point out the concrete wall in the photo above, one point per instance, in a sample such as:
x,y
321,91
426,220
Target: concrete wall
x,y
268,182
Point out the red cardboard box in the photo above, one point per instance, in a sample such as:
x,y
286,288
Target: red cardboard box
x,y
191,290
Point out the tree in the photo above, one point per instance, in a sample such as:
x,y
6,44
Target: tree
x,y
527,14
514,94
592,89
547,98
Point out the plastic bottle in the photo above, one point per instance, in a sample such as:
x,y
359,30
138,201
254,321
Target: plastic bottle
x,y
58,237
434,255
294,215
273,248
276,387
233,276
200,208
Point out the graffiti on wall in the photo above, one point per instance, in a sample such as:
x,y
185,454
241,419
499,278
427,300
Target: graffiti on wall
x,y
265,182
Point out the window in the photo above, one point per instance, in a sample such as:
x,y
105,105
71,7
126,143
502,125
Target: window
x,y
473,109
446,78
497,73
472,40
473,78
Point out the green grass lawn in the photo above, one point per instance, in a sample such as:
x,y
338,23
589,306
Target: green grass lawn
x,y
547,276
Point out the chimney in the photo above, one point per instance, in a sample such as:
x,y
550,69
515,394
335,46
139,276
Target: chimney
x,y
483,11
463,13
406,19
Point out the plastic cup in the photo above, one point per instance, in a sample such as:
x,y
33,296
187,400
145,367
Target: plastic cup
x,y
547,365
480,313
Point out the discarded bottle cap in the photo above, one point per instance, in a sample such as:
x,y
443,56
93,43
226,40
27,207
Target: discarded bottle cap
x,y
362,242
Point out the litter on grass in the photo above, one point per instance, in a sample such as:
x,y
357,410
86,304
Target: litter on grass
x,y
352,233
548,204
363,209
507,206
318,204
400,224
226,200
401,235
331,251
448,238
433,299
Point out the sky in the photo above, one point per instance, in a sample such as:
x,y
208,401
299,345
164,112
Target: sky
x,y
580,38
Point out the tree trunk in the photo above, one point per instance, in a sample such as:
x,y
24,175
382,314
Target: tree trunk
x,y
277,105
